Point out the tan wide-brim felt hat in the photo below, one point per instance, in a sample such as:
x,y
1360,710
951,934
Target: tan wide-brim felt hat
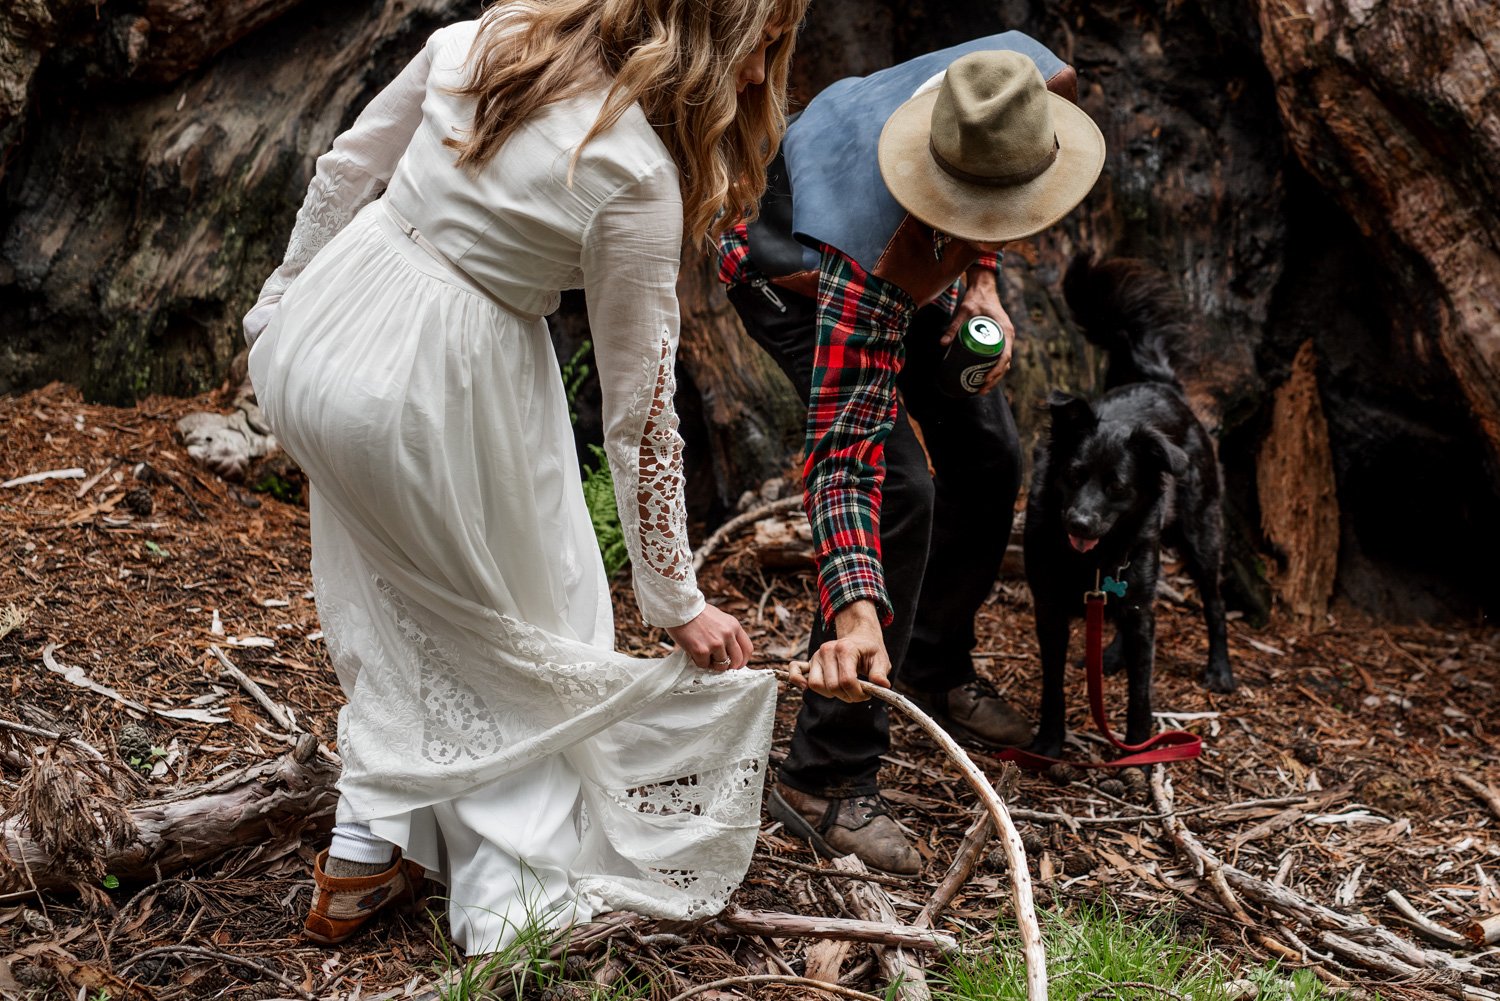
x,y
991,155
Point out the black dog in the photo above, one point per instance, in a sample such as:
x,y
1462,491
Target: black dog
x,y
1115,480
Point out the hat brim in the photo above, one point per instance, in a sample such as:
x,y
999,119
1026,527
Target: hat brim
x,y
977,212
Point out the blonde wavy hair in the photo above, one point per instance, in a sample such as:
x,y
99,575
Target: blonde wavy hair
x,y
678,59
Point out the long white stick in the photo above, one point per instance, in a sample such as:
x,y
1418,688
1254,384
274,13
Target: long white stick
x,y
1010,838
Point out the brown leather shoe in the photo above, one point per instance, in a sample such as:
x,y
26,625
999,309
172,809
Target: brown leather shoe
x,y
974,712
851,825
342,904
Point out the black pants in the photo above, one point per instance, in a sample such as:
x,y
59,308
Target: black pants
x,y
942,536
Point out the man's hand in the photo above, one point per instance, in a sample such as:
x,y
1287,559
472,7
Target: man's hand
x,y
859,650
982,298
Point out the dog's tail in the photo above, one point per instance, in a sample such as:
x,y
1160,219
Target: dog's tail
x,y
1133,311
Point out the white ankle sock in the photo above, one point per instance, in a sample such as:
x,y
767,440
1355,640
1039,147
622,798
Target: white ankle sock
x,y
354,842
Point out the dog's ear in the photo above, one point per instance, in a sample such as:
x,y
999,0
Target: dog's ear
x,y
1159,452
1072,417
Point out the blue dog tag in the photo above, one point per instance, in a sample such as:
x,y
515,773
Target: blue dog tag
x,y
1115,587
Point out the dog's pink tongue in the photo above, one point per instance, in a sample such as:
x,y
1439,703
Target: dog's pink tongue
x,y
1082,545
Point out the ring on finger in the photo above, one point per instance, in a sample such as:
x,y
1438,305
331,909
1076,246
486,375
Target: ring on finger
x,y
723,663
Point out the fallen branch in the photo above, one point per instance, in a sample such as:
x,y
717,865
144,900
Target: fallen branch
x,y
1486,793
829,872
772,978
970,851
1422,923
1359,929
866,900
51,474
36,731
1354,938
1205,863
1373,959
1484,931
738,522
779,925
198,824
276,711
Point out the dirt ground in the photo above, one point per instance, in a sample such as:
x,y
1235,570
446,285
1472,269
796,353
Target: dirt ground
x,y
1336,772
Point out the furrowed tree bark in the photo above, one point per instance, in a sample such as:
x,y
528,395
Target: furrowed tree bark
x,y
1306,169
130,255
1298,499
242,807
751,414
1392,108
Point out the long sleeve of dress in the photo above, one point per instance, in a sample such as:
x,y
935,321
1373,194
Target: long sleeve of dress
x,y
349,176
630,260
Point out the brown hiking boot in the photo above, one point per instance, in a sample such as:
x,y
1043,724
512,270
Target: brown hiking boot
x,y
974,712
852,825
342,904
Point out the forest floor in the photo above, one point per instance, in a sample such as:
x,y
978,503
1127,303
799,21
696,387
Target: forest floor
x,y
1336,772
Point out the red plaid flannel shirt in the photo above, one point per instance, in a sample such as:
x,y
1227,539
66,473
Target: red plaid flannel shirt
x,y
861,326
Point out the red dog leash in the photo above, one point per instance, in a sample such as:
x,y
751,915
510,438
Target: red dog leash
x,y
1170,745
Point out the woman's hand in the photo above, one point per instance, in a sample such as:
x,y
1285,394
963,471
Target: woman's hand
x,y
715,640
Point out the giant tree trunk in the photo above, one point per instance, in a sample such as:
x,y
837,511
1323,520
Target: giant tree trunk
x,y
1395,110
147,203
751,415
1318,170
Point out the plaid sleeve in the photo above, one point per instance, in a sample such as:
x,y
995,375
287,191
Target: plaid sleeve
x,y
734,255
861,322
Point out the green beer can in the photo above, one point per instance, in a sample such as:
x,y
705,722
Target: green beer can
x,y
974,352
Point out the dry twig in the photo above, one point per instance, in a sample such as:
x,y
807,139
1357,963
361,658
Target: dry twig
x,y
36,731
1486,793
277,712
1353,938
829,872
772,978
779,925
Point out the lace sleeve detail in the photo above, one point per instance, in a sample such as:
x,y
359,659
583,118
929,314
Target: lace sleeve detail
x,y
647,474
630,261
349,176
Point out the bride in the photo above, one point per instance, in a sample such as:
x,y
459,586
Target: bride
x,y
492,735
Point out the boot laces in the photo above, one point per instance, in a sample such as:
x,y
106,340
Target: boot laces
x,y
980,688
865,808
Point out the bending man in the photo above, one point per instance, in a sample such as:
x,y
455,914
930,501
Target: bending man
x,y
878,239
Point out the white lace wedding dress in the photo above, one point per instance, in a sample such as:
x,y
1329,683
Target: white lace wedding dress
x,y
491,730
